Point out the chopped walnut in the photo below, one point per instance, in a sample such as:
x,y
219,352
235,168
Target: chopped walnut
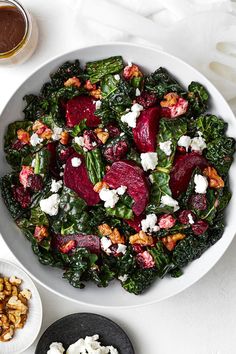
x,y
113,234
26,293
89,86
103,136
72,81
169,100
96,93
170,241
23,136
64,138
141,238
14,280
215,181
98,186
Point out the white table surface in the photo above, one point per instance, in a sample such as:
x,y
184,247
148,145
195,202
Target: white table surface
x,y
202,319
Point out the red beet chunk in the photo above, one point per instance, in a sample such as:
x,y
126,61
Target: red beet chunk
x,y
22,196
128,174
79,108
145,133
53,167
91,242
147,100
182,170
200,227
77,179
135,223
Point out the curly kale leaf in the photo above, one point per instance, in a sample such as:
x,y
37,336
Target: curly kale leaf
x,y
36,107
162,259
216,231
161,82
198,97
102,276
220,153
42,161
211,126
38,217
6,183
122,209
79,128
139,280
96,70
95,165
189,249
126,263
108,85
159,187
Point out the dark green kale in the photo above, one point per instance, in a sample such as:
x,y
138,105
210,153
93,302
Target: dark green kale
x,y
95,165
211,126
38,217
126,263
6,184
123,208
42,161
101,275
96,70
220,154
161,82
108,85
79,128
162,259
198,98
159,187
216,231
139,280
36,107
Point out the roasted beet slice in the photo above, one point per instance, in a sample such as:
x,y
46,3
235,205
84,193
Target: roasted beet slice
x,y
135,223
146,99
53,167
182,170
79,108
91,242
145,133
77,178
127,173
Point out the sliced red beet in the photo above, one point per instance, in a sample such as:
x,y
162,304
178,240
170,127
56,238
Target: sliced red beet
x,y
91,242
77,179
79,108
182,170
127,173
145,133
53,167
135,223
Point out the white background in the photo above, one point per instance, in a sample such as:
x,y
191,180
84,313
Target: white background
x,y
202,319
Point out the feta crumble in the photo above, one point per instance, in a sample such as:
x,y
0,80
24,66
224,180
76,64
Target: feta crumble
x,y
76,162
151,179
33,163
56,348
123,278
50,205
169,201
184,141
105,244
190,219
149,224
131,117
56,134
117,77
109,196
201,184
198,144
90,345
56,185
35,139
98,104
165,146
121,248
137,92
149,160
79,140
121,190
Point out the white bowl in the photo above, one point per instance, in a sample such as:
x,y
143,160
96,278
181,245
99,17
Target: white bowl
x,y
114,295
23,338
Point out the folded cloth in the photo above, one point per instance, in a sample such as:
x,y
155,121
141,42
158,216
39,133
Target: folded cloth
x,y
201,32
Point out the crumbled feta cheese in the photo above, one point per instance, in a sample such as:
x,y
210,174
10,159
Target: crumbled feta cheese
x,y
201,184
131,117
121,190
35,139
198,144
50,205
61,174
184,141
169,201
98,104
122,134
85,149
117,77
105,244
149,223
129,63
94,143
56,134
137,92
190,219
33,163
56,348
109,196
90,345
76,162
151,179
149,160
123,278
165,146
56,185
121,248
79,140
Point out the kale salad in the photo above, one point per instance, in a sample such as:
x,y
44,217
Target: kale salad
x,y
118,174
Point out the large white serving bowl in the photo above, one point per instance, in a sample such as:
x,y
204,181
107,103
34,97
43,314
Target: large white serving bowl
x,y
114,295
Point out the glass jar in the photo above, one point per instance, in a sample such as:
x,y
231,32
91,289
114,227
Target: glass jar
x,y
25,46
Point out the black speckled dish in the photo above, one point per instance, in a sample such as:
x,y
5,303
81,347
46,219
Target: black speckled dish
x,y
70,328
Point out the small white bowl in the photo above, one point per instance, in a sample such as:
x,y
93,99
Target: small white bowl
x,y
23,338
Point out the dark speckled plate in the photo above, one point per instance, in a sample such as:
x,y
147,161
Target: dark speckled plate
x,y
70,328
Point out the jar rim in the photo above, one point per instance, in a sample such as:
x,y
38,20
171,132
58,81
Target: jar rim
x,y
23,11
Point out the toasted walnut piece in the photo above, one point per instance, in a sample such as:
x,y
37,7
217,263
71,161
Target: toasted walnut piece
x,y
14,290
46,133
104,230
96,93
16,304
7,334
88,86
116,237
14,280
103,136
98,186
2,295
23,136
64,138
2,306
22,299
170,241
37,125
26,293
1,287
72,81
169,100
7,287
215,181
23,320
141,238
1,280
